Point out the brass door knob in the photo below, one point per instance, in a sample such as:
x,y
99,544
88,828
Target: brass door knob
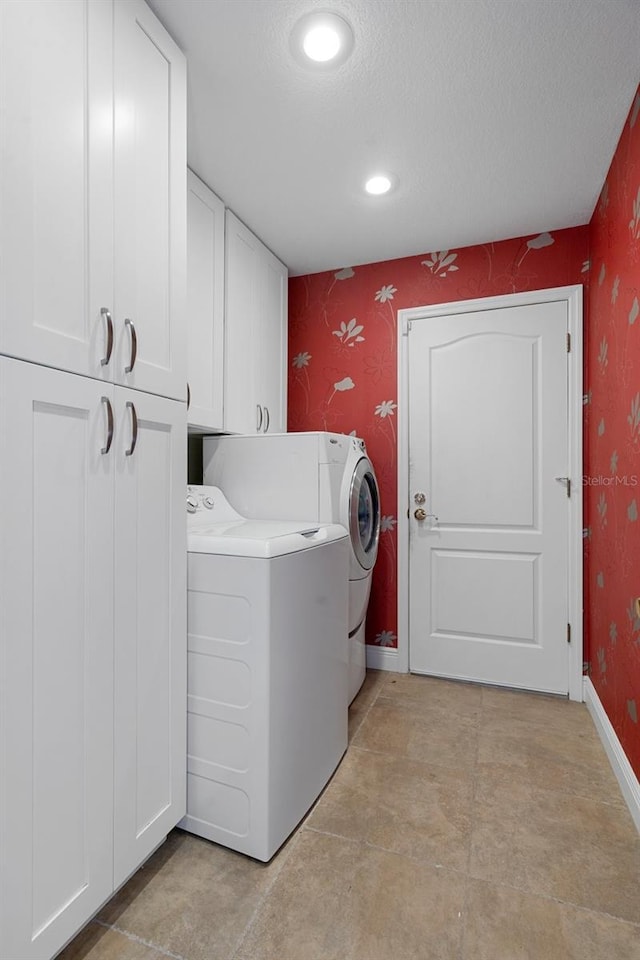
x,y
420,514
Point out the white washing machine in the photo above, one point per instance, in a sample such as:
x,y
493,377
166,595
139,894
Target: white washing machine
x,y
323,476
267,671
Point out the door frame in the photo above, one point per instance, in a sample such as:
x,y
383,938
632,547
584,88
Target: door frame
x,y
573,297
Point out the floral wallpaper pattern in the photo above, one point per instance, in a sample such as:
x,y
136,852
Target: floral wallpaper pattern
x,y
342,341
612,462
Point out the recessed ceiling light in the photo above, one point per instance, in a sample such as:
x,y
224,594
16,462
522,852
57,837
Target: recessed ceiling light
x,y
322,39
379,184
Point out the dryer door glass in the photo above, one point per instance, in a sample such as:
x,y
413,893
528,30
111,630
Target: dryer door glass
x,y
364,514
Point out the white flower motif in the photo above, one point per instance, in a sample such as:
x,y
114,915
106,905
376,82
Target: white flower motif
x,y
634,417
386,638
586,266
301,360
346,384
440,263
602,355
614,289
542,240
386,408
345,274
387,523
613,465
602,275
349,331
386,293
634,223
635,311
602,509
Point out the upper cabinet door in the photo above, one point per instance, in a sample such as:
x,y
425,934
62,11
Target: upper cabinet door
x,y
205,305
150,203
272,335
255,334
242,407
56,134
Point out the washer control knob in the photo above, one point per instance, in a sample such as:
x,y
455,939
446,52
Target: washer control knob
x,y
208,503
192,504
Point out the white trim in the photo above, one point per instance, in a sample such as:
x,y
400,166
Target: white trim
x,y
573,296
383,658
617,757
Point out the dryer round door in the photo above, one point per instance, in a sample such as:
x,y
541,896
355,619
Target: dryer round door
x,y
364,514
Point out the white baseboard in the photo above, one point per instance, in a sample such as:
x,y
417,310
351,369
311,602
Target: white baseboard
x,y
382,658
617,757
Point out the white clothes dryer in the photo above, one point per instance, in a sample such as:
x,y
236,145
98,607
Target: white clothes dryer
x,y
299,476
267,671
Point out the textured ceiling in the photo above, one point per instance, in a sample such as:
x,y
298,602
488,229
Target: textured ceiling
x,y
499,118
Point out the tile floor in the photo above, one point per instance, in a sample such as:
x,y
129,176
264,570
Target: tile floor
x,y
464,823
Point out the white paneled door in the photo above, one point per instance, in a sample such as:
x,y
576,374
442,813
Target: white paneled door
x,y
150,626
205,305
56,194
56,656
150,169
489,451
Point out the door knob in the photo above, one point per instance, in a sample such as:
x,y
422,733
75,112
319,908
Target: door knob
x,y
420,514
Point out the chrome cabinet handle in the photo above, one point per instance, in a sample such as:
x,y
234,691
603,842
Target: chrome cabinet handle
x,y
134,429
109,440
259,425
106,313
134,345
266,416
188,395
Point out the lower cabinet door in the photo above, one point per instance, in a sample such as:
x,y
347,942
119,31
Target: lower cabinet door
x,y
150,627
56,656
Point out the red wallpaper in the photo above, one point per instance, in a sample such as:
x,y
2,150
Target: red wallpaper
x,y
613,441
342,353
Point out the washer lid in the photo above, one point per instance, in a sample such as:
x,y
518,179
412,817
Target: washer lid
x,y
263,539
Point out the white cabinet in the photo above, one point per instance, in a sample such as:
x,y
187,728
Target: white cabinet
x,y
56,649
205,305
255,334
92,183
150,150
92,457
56,182
92,640
150,624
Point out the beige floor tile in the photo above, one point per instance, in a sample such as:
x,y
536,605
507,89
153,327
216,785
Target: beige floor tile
x,y
544,709
410,729
504,924
574,849
368,692
456,698
568,760
95,942
192,897
416,809
338,900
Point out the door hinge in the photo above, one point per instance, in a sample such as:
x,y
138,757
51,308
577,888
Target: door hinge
x,y
568,486
568,343
568,633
